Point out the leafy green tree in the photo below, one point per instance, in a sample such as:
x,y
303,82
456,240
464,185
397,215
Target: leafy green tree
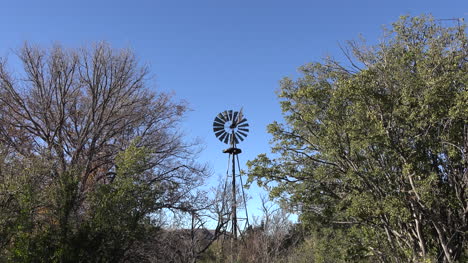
x,y
119,213
377,148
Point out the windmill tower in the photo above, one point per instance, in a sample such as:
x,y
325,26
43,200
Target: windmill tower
x,y
231,128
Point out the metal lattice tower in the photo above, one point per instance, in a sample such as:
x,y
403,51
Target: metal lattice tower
x,y
231,128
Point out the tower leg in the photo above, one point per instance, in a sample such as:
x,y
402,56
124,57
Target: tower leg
x,y
234,199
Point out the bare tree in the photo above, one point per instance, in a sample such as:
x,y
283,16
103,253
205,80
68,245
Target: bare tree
x,y
269,239
190,233
79,109
83,107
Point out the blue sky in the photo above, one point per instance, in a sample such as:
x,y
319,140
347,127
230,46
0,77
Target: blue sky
x,y
216,55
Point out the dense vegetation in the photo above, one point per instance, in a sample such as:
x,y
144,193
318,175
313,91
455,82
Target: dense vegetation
x,y
372,154
89,156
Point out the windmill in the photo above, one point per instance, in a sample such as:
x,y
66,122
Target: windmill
x,y
231,128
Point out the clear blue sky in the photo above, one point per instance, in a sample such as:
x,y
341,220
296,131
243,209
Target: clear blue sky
x,y
216,55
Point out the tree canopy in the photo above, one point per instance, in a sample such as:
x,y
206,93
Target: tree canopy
x,y
89,155
373,152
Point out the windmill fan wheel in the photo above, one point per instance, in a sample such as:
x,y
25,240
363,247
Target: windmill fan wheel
x,y
230,127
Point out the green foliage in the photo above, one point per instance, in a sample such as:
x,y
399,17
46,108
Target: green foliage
x,y
378,149
328,245
40,223
119,212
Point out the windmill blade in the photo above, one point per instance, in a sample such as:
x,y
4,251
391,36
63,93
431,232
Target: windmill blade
x,y
235,138
225,116
239,136
242,133
234,119
244,130
217,134
221,117
243,124
222,138
216,130
219,121
226,140
216,124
